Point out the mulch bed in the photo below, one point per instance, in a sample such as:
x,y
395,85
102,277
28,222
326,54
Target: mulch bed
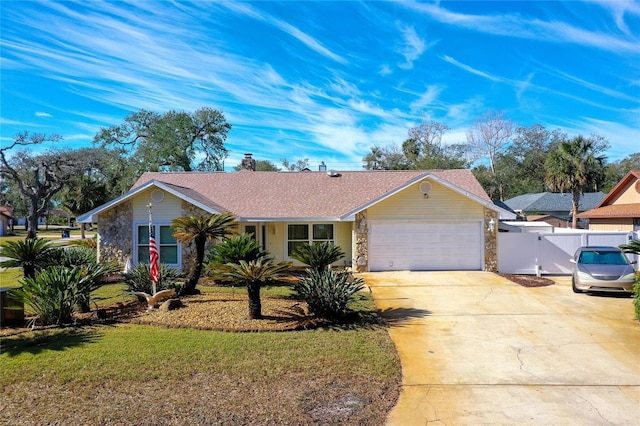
x,y
206,311
528,280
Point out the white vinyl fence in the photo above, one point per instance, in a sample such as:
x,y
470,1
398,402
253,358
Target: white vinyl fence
x,y
549,253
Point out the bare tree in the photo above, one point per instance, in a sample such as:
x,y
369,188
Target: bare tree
x,y
489,136
38,177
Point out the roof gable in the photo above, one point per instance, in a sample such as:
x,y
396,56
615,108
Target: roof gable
x,y
625,183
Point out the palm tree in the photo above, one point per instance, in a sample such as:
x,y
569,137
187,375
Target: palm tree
x,y
575,166
200,229
31,255
255,274
318,255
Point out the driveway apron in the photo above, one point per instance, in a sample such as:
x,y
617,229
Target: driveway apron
x,y
478,349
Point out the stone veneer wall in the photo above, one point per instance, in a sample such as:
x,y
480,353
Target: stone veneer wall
x,y
115,231
490,241
360,251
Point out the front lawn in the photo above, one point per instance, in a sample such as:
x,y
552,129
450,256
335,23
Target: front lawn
x,y
126,373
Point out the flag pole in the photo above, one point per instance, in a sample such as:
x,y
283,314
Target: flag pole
x,y
151,257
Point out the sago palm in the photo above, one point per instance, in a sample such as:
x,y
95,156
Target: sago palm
x,y
199,230
254,274
575,166
318,255
31,255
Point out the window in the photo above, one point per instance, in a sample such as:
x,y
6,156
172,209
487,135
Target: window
x,y
167,244
251,229
298,234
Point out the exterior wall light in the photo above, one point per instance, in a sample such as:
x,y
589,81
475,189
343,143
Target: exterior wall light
x,y
492,225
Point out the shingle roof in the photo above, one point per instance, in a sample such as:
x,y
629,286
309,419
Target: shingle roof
x,y
612,211
274,195
551,201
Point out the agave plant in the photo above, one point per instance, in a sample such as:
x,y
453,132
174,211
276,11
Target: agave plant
x,y
319,256
327,292
254,274
31,255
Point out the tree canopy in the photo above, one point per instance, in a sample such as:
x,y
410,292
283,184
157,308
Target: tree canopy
x,y
576,166
40,177
174,140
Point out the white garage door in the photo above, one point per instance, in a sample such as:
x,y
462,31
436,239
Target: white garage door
x,y
425,246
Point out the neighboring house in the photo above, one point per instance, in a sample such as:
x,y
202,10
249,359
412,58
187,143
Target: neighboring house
x,y
553,204
5,217
383,220
555,221
620,209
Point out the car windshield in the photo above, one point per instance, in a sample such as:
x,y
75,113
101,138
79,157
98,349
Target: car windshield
x,y
602,258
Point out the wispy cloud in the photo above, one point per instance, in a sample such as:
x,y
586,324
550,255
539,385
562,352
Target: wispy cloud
x,y
410,47
520,26
43,114
287,28
470,69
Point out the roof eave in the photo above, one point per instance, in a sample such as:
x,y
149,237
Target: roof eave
x,y
89,216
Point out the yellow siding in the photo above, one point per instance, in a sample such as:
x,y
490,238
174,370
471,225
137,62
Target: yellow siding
x,y
163,212
629,196
277,240
618,224
442,203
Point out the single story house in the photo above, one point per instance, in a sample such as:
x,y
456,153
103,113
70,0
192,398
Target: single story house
x,y
620,209
555,221
383,220
553,204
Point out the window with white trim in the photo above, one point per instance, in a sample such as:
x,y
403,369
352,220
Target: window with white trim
x,y
310,233
167,244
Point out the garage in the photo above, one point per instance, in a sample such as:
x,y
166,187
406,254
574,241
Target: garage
x,y
426,246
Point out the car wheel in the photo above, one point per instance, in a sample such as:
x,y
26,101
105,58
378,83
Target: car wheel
x,y
573,286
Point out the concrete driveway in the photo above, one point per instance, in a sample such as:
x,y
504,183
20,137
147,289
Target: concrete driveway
x,y
477,349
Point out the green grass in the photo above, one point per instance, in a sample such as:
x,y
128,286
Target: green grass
x,y
10,277
134,374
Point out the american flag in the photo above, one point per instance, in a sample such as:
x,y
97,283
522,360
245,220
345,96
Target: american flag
x,y
153,256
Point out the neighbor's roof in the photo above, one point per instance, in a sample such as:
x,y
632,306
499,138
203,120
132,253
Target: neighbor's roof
x,y
265,196
612,211
606,210
552,201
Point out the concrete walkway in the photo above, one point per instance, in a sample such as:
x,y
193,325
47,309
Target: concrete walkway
x,y
477,349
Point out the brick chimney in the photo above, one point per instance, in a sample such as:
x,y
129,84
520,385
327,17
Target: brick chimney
x,y
248,163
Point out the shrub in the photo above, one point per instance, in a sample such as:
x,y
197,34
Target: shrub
x,y
327,292
318,256
139,279
57,291
72,256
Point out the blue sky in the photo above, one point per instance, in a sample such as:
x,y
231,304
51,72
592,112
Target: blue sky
x,y
322,80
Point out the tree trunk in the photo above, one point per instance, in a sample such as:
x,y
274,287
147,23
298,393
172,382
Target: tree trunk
x,y
575,198
255,306
194,276
32,221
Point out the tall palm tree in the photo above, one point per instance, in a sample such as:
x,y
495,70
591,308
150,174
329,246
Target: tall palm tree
x,y
575,166
254,274
201,229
